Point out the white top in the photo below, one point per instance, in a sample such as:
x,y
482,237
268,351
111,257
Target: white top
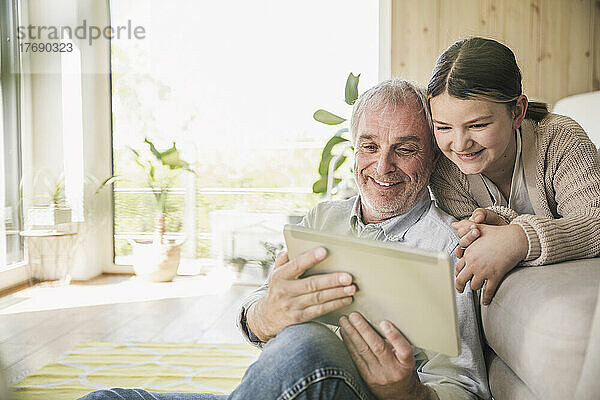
x,y
519,197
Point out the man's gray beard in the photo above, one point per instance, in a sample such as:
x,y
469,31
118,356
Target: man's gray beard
x,y
395,208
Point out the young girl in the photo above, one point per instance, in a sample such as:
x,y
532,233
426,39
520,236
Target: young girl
x,y
527,180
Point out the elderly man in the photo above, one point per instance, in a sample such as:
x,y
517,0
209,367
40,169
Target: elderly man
x,y
394,156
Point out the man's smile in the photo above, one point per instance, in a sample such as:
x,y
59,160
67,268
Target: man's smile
x,y
384,184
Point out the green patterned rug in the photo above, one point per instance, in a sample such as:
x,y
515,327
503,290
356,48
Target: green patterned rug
x,y
161,367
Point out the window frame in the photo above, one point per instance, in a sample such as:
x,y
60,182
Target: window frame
x,y
10,65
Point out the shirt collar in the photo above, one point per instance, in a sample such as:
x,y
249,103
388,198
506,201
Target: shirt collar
x,y
394,228
495,194
517,169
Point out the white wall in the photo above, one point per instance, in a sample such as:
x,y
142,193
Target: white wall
x,y
48,148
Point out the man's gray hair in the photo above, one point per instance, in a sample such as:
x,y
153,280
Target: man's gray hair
x,y
386,96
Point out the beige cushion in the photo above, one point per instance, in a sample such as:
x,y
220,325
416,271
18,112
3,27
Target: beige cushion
x,y
583,108
504,384
539,324
589,384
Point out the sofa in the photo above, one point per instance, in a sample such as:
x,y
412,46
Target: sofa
x,y
543,325
543,333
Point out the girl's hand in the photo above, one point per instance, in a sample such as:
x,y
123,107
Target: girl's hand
x,y
467,229
497,250
485,216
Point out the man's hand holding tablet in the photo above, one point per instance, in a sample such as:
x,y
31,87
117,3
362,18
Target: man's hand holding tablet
x,y
387,363
412,288
293,300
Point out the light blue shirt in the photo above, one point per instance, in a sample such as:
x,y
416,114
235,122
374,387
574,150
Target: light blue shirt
x,y
424,226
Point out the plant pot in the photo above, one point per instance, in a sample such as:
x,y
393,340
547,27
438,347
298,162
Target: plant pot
x,y
48,217
156,262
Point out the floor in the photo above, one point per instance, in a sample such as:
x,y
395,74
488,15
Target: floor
x,y
39,323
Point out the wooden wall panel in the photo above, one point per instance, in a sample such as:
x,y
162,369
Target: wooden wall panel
x,y
596,45
517,24
414,39
581,41
554,56
461,18
556,42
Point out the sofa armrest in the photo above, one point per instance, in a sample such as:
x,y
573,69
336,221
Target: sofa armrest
x,y
539,323
589,384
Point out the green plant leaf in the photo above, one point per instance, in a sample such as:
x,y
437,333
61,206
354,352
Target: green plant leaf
x,y
151,171
339,162
134,151
110,181
168,152
351,92
154,167
173,160
320,186
328,118
137,158
170,158
326,155
153,150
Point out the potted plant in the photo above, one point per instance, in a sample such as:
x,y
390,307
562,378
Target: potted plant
x,y
265,263
238,264
337,149
50,210
157,259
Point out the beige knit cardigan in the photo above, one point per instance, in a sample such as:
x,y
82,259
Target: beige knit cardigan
x,y
562,174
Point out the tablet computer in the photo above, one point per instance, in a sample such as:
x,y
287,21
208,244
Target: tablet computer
x,y
412,288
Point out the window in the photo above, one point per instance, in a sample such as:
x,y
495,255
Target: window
x,y
12,249
235,85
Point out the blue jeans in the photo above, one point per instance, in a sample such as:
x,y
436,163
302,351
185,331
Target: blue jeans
x,y
305,361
